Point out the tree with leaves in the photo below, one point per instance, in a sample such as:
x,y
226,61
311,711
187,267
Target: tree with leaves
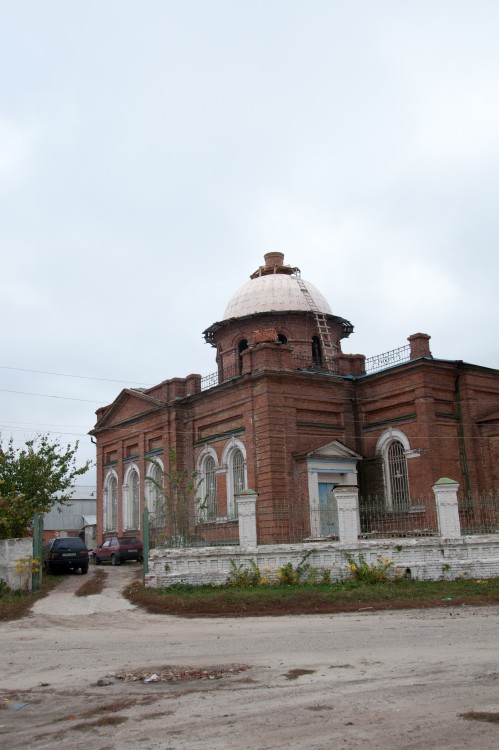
x,y
34,479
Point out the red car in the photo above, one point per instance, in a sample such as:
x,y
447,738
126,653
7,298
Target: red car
x,y
118,550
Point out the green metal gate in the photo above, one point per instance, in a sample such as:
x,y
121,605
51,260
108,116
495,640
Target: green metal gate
x,y
36,577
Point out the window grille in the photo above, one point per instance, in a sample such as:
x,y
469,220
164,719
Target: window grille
x,y
111,504
210,488
134,501
397,470
155,496
238,476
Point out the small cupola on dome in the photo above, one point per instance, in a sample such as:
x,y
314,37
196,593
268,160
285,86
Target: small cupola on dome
x,y
274,263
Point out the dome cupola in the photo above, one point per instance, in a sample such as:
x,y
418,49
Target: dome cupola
x,y
275,287
278,308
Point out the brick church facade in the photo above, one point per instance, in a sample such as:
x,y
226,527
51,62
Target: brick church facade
x,y
290,416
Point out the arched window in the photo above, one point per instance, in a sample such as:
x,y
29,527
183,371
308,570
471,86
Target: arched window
x,y
209,482
131,500
234,458
316,350
397,475
154,494
237,476
111,503
241,347
394,448
206,470
282,338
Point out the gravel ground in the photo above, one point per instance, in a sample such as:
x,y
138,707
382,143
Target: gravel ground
x,y
390,680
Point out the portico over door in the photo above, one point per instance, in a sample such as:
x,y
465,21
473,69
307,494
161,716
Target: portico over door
x,y
327,467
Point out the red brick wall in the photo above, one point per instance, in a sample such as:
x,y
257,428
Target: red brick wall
x,y
278,413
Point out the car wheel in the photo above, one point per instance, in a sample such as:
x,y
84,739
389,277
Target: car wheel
x,y
115,560
97,560
84,569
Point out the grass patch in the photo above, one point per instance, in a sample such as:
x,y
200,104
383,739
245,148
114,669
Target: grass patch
x,y
346,596
15,604
94,585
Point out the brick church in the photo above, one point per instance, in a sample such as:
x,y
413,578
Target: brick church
x,y
291,416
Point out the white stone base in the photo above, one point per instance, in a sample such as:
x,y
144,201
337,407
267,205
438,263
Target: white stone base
x,y
423,559
10,551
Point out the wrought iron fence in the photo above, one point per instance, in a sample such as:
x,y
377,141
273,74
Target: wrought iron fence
x,y
388,359
380,521
222,531
296,521
317,364
209,381
479,512
215,378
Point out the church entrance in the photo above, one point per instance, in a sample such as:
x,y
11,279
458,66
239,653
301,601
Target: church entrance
x,y
328,512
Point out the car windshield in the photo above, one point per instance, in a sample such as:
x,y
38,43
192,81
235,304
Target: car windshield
x,y
129,540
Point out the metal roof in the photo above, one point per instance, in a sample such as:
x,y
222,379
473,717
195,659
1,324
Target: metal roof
x,y
274,293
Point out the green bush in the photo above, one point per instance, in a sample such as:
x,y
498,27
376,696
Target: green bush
x,y
241,577
287,575
362,572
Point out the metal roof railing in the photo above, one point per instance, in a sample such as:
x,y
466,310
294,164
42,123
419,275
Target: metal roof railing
x,y
388,359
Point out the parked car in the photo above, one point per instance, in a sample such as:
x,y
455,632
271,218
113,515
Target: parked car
x,y
65,553
118,550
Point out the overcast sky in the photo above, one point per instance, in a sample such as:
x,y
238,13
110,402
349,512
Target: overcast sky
x,y
151,152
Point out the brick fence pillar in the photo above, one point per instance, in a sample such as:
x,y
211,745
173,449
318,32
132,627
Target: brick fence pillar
x,y
445,490
246,506
347,502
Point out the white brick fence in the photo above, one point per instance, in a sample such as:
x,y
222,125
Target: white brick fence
x,y
12,550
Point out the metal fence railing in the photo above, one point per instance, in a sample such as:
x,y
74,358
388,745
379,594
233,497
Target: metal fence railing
x,y
298,521
316,364
378,520
479,512
216,378
220,532
388,359
294,522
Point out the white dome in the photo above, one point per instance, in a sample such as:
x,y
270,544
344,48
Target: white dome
x,y
276,292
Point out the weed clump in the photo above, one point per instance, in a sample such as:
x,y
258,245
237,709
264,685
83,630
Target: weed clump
x,y
363,572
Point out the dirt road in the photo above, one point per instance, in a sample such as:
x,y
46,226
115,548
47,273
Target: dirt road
x,y
391,680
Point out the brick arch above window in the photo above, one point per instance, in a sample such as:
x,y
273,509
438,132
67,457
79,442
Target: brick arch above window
x,y
394,448
388,437
207,451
